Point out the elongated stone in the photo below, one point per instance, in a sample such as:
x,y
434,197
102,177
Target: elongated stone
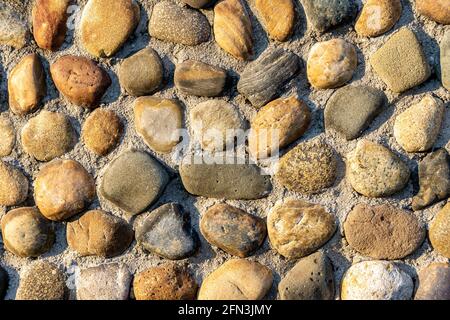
x,y
445,60
436,10
7,136
439,233
278,17
378,17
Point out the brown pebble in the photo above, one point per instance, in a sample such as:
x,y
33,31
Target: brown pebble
x,y
7,136
434,282
278,17
13,185
439,232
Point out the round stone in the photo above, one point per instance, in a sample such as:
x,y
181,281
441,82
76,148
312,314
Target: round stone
x,y
98,233
4,282
297,228
102,131
374,171
331,64
434,282
378,17
27,233
383,232
166,282
62,189
437,10
7,136
13,185
376,280
278,17
440,232
47,136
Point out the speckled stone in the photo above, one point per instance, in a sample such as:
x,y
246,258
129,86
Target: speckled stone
x,y
13,31
378,17
434,282
445,60
13,185
323,15
278,17
4,283
436,10
7,136
439,232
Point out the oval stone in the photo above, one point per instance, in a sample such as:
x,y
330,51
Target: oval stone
x,y
436,10
13,185
434,282
7,136
445,60
440,232
323,15
278,17
378,17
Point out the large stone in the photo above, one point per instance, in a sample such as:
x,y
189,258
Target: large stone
x,y
13,31
378,17
439,233
97,233
13,185
297,228
445,60
437,10
312,278
237,279
323,15
383,232
233,230
278,17
4,283
133,181
434,282
7,136
263,78
167,232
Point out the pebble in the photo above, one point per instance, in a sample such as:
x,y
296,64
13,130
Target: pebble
x,y
278,18
97,233
233,230
80,80
439,233
376,280
297,228
133,181
142,73
434,180
351,109
331,64
48,135
233,29
309,168
158,121
26,233
4,283
26,85
63,188
13,31
49,18
13,185
106,25
41,280
312,278
277,125
105,282
263,78
230,180
237,279
173,23
199,79
445,60
167,232
378,17
166,282
375,171
393,61
323,15
102,131
383,232
417,128
198,3
434,282
7,136
216,124
436,10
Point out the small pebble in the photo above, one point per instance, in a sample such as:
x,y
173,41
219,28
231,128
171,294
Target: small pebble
x,y
4,283
436,10
7,136
13,31
13,185
445,60
439,233
434,282
378,17
278,17
323,15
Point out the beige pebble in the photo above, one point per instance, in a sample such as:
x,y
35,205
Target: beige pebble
x,y
7,136
378,17
13,185
278,17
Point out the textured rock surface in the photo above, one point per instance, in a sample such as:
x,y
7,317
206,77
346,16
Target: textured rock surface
x,y
436,10
322,15
50,23
434,282
378,17
278,17
439,232
13,31
445,60
13,185
4,283
198,3
7,136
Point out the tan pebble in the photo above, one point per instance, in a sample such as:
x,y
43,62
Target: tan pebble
x,y
437,10
378,17
13,185
278,17
440,232
7,136
13,31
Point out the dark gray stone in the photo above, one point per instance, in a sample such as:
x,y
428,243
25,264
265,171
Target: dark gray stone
x,y
3,283
434,282
322,15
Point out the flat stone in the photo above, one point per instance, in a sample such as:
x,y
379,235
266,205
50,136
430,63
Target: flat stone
x,y
198,3
167,232
393,61
263,78
7,136
331,64
434,282
309,168
233,230
439,233
80,80
49,19
142,73
376,280
276,125
48,135
63,188
323,15
106,25
216,124
200,79
237,279
26,85
41,281
278,17
173,23
97,233
311,278
13,30
26,233
106,282
375,171
166,282
378,17
297,228
436,10
233,29
434,180
445,60
13,185
350,110
383,232
4,283
133,181
102,131
417,128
